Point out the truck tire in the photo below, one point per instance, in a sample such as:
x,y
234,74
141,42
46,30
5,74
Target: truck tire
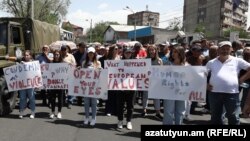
x,y
7,101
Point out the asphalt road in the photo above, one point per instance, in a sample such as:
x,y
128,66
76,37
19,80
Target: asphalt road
x,y
68,128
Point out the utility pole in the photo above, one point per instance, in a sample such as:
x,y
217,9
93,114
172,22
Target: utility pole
x,y
90,30
127,8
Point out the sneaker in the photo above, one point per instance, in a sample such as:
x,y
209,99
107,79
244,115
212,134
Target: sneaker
x,y
21,115
108,114
52,116
129,125
92,123
59,115
158,116
186,118
32,116
86,121
120,124
144,114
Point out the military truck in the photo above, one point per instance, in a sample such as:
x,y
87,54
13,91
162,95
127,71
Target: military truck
x,y
16,35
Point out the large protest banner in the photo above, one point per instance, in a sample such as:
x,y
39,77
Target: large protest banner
x,y
55,75
178,83
89,83
131,74
23,76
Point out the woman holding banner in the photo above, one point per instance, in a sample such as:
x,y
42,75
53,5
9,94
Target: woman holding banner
x,y
152,52
90,62
125,96
110,107
56,92
174,110
26,93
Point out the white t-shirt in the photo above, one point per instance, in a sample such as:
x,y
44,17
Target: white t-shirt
x,y
224,76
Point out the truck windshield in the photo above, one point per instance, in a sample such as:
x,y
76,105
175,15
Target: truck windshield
x,y
3,33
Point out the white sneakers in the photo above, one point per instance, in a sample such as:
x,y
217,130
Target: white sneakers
x,y
21,115
129,125
86,121
52,115
92,123
32,115
120,125
59,115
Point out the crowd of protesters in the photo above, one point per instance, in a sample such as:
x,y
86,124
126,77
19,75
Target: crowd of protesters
x,y
228,66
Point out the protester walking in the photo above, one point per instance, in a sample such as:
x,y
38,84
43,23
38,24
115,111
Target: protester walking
x,y
90,62
25,93
56,93
174,110
127,97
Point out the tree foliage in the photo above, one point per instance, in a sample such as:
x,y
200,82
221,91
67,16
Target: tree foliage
x,y
51,11
98,31
242,32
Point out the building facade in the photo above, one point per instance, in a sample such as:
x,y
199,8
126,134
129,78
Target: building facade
x,y
215,16
144,18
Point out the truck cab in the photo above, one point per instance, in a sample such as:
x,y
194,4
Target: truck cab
x,y
17,35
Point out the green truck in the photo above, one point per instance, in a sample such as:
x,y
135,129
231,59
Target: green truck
x,y
16,35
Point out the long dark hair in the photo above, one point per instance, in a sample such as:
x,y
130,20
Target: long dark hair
x,y
110,55
60,58
181,54
86,63
156,57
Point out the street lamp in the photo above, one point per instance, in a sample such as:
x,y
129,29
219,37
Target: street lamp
x,y
127,8
90,37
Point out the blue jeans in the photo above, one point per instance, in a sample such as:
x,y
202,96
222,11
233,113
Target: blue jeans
x,y
87,101
232,106
24,94
174,111
157,103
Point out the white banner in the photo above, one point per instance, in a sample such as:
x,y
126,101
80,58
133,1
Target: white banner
x,y
23,76
131,74
55,75
178,83
89,83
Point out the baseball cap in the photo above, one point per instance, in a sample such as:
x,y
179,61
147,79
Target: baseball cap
x,y
102,47
127,49
45,46
224,43
91,49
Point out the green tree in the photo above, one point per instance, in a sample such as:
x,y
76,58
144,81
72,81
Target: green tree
x,y
242,32
51,11
98,31
201,29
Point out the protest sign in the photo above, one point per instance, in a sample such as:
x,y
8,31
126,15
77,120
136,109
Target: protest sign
x,y
131,74
86,82
23,76
178,83
55,75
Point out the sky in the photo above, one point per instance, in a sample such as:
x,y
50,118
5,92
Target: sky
x,y
81,12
